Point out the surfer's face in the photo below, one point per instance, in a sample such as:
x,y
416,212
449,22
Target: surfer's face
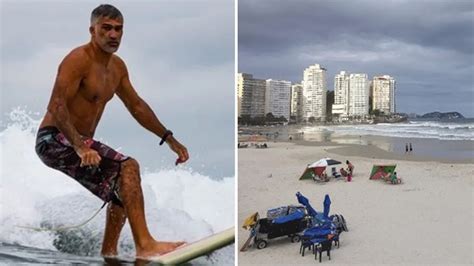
x,y
107,33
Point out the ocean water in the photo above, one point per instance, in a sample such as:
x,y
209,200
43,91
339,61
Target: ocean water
x,y
460,129
432,139
451,140
180,205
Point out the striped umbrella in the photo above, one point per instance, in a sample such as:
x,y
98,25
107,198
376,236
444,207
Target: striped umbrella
x,y
317,168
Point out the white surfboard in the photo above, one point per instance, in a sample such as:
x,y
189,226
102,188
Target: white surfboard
x,y
198,248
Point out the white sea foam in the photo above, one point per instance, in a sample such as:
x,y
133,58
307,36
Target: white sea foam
x,y
180,204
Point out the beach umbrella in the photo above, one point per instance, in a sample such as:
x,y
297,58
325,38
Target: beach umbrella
x,y
317,168
324,162
310,173
327,205
303,200
379,170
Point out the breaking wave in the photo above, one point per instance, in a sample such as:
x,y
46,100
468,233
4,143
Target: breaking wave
x,y
180,204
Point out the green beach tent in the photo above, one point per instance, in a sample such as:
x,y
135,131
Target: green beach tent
x,y
379,170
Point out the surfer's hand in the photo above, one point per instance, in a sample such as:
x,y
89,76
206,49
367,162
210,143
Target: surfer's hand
x,y
179,149
88,156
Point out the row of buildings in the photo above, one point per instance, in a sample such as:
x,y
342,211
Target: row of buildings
x,y
354,96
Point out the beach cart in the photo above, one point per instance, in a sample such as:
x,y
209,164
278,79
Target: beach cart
x,y
285,221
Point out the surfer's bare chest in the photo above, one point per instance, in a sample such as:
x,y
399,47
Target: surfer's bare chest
x,y
99,84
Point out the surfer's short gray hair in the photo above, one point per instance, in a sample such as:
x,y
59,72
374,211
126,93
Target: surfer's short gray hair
x,y
105,10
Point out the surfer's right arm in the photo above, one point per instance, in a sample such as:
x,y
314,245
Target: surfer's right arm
x,y
70,73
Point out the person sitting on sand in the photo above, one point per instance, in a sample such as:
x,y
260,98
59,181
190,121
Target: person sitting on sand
x,y
322,177
343,172
394,179
386,176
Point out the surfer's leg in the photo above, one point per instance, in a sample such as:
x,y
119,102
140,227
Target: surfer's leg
x,y
113,226
132,198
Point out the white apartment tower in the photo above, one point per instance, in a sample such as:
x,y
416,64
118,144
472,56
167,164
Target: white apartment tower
x,y
297,102
340,108
250,96
383,94
358,95
278,97
314,93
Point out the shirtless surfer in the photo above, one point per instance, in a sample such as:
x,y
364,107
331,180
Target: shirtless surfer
x,y
88,77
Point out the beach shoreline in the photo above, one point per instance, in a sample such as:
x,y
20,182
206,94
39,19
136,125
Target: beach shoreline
x,y
422,221
424,149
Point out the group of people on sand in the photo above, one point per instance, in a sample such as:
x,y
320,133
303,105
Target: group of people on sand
x,y
391,178
257,145
347,173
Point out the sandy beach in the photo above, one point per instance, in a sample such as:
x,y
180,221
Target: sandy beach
x,y
426,220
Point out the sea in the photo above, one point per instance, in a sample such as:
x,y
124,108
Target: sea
x,y
181,204
436,139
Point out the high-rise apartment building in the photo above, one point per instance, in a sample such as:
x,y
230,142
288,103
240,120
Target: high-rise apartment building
x,y
314,93
358,95
383,94
340,108
297,102
250,96
277,98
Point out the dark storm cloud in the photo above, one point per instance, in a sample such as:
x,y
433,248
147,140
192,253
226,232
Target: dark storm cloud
x,y
426,45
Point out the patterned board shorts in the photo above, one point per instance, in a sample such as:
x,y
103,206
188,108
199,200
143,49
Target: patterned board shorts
x,y
56,152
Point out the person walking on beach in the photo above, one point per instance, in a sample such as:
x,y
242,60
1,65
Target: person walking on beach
x,y
87,78
411,149
406,148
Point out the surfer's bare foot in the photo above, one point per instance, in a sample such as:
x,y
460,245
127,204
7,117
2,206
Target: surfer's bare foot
x,y
157,248
109,253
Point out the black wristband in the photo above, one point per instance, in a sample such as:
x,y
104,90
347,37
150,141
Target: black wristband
x,y
167,133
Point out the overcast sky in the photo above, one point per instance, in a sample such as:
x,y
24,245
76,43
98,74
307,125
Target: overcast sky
x,y
427,46
180,55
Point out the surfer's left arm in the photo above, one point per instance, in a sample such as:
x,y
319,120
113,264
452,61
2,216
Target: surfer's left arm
x,y
145,116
